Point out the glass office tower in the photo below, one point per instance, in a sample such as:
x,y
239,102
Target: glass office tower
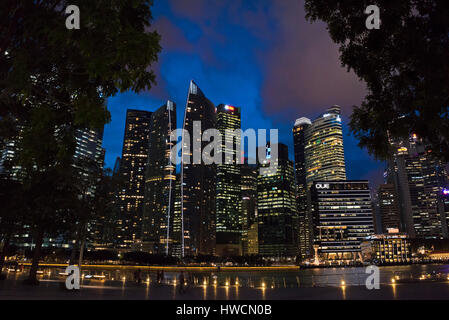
x,y
249,209
228,183
157,221
319,155
88,159
342,218
419,179
304,218
389,207
132,170
176,237
276,206
197,178
324,154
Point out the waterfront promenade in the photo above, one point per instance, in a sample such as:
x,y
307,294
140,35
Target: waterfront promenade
x,y
51,289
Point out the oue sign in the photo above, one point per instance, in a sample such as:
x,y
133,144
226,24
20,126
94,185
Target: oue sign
x,y
322,186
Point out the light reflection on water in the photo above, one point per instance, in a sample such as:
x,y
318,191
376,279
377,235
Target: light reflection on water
x,y
253,279
393,287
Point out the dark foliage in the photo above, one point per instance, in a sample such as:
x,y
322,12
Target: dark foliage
x,y
54,81
405,65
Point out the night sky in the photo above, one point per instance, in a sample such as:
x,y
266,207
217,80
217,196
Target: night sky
x,y
260,55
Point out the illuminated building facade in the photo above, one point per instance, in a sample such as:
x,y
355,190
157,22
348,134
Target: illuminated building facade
x,y
249,208
419,180
160,175
88,160
252,246
106,228
228,184
388,207
444,204
304,217
6,156
177,223
276,206
342,217
319,155
132,170
198,178
324,154
89,154
8,169
390,248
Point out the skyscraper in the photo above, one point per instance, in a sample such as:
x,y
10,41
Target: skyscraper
x,y
304,218
176,237
132,171
116,169
324,154
197,178
157,220
88,160
228,183
389,207
419,180
342,217
444,204
319,155
89,154
249,208
9,170
104,223
276,206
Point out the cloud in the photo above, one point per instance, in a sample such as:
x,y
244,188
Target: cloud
x,y
172,37
300,64
205,11
303,73
261,55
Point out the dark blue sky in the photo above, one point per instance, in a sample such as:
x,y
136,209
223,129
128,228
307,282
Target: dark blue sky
x,y
260,55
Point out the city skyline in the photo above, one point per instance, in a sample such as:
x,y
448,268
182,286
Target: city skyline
x,y
224,152
355,167
226,53
211,195
209,219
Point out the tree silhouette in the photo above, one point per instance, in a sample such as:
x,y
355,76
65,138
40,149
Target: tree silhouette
x,y
405,65
11,215
54,81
